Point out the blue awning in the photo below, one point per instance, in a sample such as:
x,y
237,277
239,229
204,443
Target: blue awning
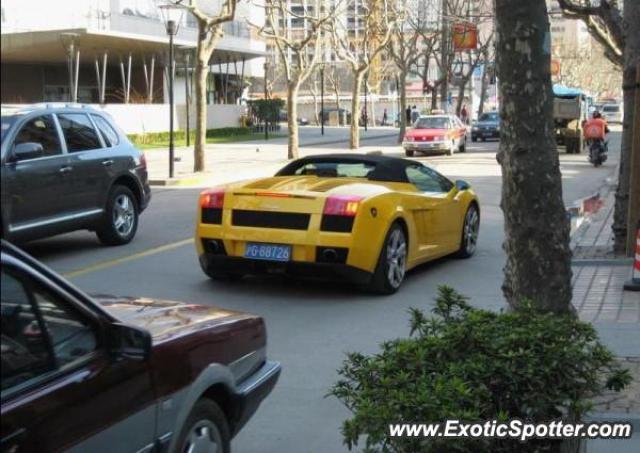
x,y
563,91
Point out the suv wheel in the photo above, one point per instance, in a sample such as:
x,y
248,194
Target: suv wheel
x,y
120,219
206,430
408,152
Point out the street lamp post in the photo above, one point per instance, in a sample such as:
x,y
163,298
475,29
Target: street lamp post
x,y
366,90
266,96
322,100
171,15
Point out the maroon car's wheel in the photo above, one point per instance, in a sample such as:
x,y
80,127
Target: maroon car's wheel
x,y
206,430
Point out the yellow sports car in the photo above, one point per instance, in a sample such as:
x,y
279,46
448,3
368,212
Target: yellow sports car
x,y
362,218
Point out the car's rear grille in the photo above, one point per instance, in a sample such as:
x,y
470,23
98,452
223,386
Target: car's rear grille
x,y
338,223
269,219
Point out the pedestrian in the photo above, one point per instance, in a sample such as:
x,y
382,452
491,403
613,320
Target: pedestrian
x,y
408,114
414,114
384,117
464,114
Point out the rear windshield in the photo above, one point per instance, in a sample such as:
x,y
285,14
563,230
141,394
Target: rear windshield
x,y
7,122
432,122
336,169
489,117
611,108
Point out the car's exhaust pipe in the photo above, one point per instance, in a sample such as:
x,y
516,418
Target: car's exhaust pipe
x,y
329,255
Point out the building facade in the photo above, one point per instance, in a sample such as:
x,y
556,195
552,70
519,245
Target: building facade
x,y
116,51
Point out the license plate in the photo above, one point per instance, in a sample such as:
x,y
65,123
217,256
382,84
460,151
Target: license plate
x,y
271,252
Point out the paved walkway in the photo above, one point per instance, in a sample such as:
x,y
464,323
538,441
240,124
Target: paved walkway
x,y
227,162
598,295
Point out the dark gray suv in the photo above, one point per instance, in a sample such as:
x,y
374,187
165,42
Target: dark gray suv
x,y
68,168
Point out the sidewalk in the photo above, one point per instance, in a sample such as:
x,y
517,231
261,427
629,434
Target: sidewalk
x,y
227,162
599,298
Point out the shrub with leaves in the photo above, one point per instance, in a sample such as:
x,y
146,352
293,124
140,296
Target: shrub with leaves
x,y
475,365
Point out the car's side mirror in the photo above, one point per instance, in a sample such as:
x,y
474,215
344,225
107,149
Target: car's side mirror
x,y
27,150
129,342
462,185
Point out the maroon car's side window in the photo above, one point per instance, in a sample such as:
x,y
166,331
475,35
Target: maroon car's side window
x,y
40,333
25,350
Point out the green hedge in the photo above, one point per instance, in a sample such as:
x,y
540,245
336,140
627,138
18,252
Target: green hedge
x,y
161,137
475,365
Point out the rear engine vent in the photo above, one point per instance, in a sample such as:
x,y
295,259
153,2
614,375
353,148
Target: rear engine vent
x,y
269,219
337,223
212,215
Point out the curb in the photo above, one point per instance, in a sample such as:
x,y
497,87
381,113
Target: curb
x,y
181,181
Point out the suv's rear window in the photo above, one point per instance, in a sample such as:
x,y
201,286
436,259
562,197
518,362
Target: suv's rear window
x,y
611,108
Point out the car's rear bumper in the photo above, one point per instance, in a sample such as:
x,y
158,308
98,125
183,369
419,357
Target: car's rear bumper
x,y
426,147
304,269
485,134
253,390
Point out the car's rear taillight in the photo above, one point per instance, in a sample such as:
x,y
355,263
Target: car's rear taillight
x,y
342,205
212,198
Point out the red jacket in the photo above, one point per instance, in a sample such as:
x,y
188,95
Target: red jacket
x,y
595,128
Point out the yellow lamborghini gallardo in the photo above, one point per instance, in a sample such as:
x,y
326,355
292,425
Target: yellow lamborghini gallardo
x,y
363,218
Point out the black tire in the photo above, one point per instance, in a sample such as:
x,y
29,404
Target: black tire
x,y
208,414
467,249
474,139
380,283
108,232
408,152
483,139
218,275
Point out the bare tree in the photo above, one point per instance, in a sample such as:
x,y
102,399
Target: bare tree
x,y
298,46
473,60
604,22
405,49
373,26
618,30
538,266
209,33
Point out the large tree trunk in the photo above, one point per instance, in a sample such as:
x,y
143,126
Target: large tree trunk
x,y
201,112
292,119
434,99
354,133
403,104
536,243
460,99
631,57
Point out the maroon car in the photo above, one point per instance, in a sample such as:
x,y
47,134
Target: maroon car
x,y
122,374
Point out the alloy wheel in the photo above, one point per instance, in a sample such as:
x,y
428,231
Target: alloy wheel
x,y
123,215
471,228
204,437
396,258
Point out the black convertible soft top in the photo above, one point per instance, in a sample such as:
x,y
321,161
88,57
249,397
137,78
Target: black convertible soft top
x,y
391,169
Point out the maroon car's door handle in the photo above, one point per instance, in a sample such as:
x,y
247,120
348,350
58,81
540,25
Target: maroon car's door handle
x,y
107,163
66,169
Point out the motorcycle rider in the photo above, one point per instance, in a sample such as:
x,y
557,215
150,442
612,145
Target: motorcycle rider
x,y
596,130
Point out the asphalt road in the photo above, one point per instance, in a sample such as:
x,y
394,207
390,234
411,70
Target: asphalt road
x,y
310,325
